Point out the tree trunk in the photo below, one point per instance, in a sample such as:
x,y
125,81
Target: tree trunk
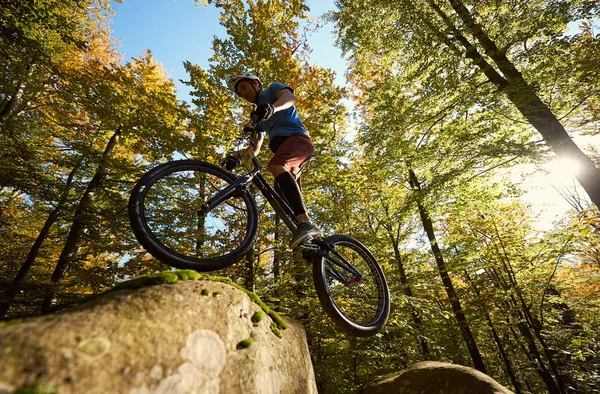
x,y
13,288
520,93
526,317
544,373
452,296
277,258
354,350
70,249
532,351
537,332
298,274
525,352
9,104
277,253
407,290
249,279
505,359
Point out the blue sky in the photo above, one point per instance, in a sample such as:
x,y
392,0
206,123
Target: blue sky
x,y
178,30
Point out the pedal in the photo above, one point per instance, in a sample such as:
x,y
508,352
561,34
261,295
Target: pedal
x,y
310,252
309,246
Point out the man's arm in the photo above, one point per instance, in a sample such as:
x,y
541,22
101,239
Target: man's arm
x,y
258,141
285,99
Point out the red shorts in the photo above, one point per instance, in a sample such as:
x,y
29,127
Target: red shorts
x,y
293,153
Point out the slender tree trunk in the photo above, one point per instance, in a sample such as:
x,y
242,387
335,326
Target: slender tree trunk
x,y
532,351
527,318
524,350
520,93
544,373
299,284
9,104
407,290
201,222
70,249
354,350
249,279
277,258
505,359
503,355
537,332
452,296
277,253
12,290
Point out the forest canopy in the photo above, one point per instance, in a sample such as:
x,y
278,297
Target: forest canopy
x,y
450,101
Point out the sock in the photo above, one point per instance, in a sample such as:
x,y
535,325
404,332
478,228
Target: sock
x,y
291,191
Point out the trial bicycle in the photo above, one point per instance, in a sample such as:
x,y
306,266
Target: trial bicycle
x,y
191,214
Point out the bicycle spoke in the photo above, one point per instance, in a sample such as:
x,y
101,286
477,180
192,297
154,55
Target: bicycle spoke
x,y
172,208
351,284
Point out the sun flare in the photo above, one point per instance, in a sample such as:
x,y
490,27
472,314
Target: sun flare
x,y
563,169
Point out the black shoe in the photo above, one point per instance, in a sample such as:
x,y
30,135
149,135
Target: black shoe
x,y
304,230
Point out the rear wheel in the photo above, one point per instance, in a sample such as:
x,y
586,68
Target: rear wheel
x,y
165,211
352,287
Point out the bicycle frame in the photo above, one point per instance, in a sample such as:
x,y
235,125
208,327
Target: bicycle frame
x,y
282,209
320,246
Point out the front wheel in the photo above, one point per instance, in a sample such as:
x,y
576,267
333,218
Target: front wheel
x,y
169,219
351,286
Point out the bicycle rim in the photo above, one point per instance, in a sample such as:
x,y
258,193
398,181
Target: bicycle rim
x,y
358,304
177,232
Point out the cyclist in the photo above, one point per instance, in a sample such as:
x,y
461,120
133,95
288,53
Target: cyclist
x,y
288,140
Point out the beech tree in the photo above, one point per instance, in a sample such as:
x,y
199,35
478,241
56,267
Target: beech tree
x,y
503,44
421,183
74,107
134,105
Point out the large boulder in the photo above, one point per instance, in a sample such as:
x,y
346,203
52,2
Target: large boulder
x,y
435,377
194,336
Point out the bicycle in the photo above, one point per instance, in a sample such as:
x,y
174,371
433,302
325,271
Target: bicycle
x,y
191,214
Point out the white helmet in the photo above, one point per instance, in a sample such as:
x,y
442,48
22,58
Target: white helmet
x,y
233,82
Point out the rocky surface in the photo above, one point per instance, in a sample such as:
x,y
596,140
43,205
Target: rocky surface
x,y
431,377
193,336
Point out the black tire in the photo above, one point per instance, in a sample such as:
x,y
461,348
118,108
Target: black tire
x,y
165,216
361,309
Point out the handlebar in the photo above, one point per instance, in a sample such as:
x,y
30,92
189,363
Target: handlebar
x,y
232,160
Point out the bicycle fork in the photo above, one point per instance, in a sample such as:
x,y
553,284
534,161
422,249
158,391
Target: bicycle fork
x,y
335,263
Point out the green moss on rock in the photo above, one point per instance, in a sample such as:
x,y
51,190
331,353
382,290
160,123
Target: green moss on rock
x,y
33,389
245,343
272,314
275,329
168,277
10,322
205,292
257,317
187,274
148,280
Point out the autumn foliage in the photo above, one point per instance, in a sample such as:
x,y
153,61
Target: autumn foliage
x,y
419,168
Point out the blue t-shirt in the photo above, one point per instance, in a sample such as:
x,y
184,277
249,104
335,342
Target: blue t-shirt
x,y
282,123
